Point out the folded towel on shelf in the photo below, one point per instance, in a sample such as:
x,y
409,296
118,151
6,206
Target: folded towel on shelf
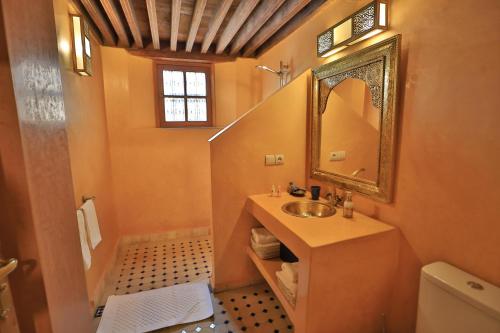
x,y
254,240
263,236
291,287
290,271
92,223
266,251
87,259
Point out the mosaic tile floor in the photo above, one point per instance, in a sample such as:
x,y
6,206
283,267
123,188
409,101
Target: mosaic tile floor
x,y
161,264
145,266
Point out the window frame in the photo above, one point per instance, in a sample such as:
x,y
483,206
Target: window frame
x,y
159,67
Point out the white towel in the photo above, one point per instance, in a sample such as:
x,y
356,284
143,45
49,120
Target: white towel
x,y
92,223
289,285
262,236
152,310
290,271
87,261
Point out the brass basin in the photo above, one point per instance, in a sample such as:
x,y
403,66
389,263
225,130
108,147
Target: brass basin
x,y
308,209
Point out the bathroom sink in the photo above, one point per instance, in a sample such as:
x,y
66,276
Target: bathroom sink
x,y
308,209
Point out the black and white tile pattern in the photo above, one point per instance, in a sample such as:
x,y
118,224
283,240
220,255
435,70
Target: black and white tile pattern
x,y
145,266
161,264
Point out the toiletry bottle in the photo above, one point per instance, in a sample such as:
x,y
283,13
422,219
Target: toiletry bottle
x,y
273,191
348,205
278,191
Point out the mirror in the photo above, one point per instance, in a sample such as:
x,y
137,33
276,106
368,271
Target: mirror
x,y
353,120
350,110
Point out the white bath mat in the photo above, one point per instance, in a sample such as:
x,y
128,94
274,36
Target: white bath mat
x,y
158,308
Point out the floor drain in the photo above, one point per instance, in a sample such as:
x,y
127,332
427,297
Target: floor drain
x,y
98,311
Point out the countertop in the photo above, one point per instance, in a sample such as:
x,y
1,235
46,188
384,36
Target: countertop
x,y
315,232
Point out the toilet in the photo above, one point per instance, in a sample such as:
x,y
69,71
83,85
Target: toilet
x,y
453,301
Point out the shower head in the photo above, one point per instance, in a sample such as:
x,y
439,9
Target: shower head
x,y
282,73
265,68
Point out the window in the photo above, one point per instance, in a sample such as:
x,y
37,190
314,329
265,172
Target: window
x,y
184,94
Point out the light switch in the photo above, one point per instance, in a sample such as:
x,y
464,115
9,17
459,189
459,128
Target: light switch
x,y
270,160
337,155
280,159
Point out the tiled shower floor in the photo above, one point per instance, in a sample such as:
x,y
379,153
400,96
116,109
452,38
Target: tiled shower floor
x,y
145,266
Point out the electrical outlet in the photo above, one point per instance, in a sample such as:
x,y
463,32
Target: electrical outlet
x,y
337,155
280,159
270,160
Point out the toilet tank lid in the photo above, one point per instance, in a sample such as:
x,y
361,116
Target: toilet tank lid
x,y
460,284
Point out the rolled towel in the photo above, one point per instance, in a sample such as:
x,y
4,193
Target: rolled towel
x,y
290,270
262,236
289,285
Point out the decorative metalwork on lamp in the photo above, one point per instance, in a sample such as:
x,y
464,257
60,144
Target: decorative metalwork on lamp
x,y
365,23
82,53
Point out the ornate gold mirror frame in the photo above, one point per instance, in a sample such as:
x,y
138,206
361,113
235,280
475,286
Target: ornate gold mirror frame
x,y
377,66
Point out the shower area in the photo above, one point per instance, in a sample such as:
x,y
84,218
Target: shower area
x,y
148,258
152,264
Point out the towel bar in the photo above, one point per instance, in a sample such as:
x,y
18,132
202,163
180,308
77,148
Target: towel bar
x,y
85,198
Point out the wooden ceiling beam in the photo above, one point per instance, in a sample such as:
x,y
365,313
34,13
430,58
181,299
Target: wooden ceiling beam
x,y
77,8
291,26
98,19
153,23
129,12
116,22
166,54
280,18
264,11
199,9
244,9
215,24
174,24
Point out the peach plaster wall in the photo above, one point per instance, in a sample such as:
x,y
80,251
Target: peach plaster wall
x,y
277,125
88,145
41,190
447,177
161,177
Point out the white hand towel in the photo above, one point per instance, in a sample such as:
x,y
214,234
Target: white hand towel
x,y
92,223
87,260
290,271
262,236
289,285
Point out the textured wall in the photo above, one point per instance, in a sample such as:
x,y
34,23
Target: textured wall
x,y
44,193
447,177
162,176
237,89
88,145
17,232
277,125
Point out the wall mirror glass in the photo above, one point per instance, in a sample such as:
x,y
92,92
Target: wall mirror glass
x,y
353,120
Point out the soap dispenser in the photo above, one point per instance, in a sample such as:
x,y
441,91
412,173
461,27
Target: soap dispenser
x,y
348,205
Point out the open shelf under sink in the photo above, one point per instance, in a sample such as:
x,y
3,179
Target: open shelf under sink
x,y
268,269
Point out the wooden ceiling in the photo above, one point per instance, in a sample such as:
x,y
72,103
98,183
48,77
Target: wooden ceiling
x,y
203,30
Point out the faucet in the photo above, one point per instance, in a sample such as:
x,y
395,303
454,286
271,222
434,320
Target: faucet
x,y
334,199
357,172
291,187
